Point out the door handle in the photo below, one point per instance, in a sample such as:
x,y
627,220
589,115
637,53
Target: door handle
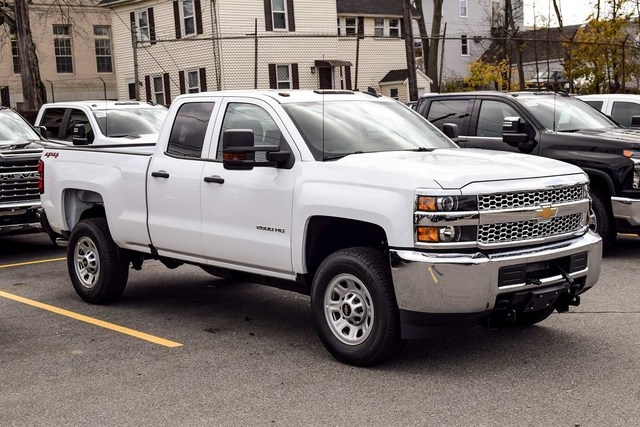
x,y
215,178
160,174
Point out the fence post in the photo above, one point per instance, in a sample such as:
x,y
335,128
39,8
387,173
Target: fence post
x,y
255,55
134,44
53,95
358,36
444,38
624,78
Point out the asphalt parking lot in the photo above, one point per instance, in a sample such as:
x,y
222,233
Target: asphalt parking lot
x,y
182,347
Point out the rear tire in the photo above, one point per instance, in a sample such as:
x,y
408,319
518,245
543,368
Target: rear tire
x,y
97,267
354,307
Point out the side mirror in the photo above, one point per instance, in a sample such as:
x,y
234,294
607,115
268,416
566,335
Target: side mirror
x,y
239,151
42,131
513,131
80,135
451,130
635,121
515,134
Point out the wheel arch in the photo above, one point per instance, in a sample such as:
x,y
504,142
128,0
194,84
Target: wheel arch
x,y
326,234
81,204
600,181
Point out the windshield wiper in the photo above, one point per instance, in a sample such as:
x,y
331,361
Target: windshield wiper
x,y
424,149
339,156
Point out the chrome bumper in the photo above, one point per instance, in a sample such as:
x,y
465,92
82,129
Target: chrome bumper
x,y
442,283
628,209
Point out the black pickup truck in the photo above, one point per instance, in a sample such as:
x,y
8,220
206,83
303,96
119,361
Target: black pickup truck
x,y
557,126
20,150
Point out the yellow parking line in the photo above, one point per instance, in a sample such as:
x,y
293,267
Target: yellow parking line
x,y
32,262
87,319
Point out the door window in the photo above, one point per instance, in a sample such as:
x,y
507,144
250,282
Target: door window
x,y
491,117
622,112
254,118
189,128
78,117
52,120
451,111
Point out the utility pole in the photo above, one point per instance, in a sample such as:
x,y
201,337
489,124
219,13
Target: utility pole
x,y
411,54
134,45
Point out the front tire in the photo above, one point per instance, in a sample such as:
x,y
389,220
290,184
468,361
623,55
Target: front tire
x,y
354,307
97,267
601,220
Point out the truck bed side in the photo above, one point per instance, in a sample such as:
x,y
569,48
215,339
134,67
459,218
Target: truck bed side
x,y
107,179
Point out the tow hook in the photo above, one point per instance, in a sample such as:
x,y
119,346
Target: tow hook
x,y
566,300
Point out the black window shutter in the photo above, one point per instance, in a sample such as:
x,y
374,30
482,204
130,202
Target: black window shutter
x,y
147,87
268,19
401,28
295,81
347,77
360,26
290,15
203,79
132,19
182,83
176,19
273,83
167,89
196,5
152,26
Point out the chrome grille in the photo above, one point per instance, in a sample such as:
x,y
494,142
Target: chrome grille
x,y
18,180
490,202
527,230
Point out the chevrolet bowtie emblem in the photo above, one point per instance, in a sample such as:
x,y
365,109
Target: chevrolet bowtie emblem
x,y
547,212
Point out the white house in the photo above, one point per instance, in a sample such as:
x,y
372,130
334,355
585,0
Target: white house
x,y
470,25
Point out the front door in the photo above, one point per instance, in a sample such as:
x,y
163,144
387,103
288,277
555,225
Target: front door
x,y
246,214
325,75
487,133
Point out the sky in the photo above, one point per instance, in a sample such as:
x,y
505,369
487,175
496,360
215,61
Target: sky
x,y
573,11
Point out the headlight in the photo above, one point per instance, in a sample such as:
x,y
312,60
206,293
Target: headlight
x,y
446,203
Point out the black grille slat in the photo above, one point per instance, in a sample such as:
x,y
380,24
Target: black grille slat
x,y
18,180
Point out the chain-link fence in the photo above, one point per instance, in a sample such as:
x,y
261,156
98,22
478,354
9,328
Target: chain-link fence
x,y
167,67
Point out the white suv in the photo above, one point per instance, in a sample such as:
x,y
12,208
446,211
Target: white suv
x,y
620,107
102,122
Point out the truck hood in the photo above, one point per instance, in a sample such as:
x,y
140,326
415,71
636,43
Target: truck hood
x,y
456,168
618,137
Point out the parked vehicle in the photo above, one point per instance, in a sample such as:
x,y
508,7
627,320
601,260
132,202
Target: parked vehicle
x,y
20,150
101,122
556,126
351,198
620,107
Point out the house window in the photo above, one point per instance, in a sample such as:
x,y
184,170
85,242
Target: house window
x,y
102,34
142,21
347,26
394,28
379,27
16,57
62,47
283,77
279,14
188,17
158,90
193,82
463,8
465,45
393,93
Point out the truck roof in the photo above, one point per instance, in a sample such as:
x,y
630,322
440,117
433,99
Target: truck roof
x,y
285,96
103,104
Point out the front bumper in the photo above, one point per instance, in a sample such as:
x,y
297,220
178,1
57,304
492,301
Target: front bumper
x,y
19,220
626,209
467,285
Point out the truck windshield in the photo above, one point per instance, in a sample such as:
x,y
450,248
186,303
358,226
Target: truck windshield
x,y
564,114
125,122
14,130
334,129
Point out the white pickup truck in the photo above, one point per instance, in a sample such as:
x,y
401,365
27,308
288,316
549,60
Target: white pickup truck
x,y
354,199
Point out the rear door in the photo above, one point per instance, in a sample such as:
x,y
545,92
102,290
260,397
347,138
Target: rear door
x,y
173,182
454,110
